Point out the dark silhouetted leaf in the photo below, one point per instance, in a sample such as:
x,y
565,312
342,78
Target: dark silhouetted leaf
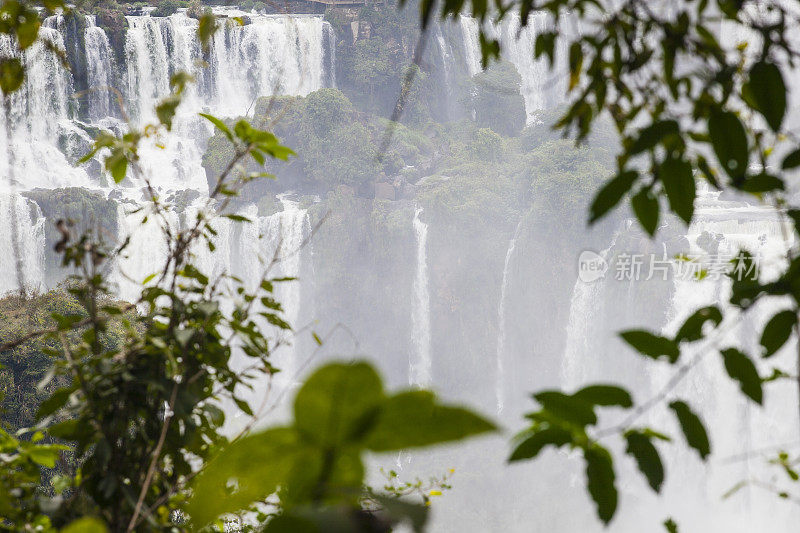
x,y
777,331
742,369
652,345
650,136
600,481
792,160
611,193
605,395
641,448
729,140
761,183
678,181
692,329
535,443
692,428
767,91
567,408
645,206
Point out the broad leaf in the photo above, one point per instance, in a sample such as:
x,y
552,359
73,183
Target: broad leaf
x,y
535,443
611,193
85,525
729,141
258,464
12,74
338,403
606,395
650,136
415,418
692,428
568,408
678,181
767,91
641,448
692,329
777,331
652,345
600,481
645,207
742,369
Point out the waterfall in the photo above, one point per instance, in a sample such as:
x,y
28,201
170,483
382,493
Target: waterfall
x,y
585,311
735,425
420,365
100,74
500,378
543,87
29,247
472,49
282,248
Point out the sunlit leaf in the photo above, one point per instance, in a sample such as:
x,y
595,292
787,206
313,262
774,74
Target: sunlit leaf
x,y
415,418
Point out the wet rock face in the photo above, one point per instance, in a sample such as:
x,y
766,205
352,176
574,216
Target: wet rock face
x,y
75,142
115,25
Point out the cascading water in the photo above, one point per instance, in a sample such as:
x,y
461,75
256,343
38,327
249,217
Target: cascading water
x,y
720,229
472,52
500,377
29,246
542,87
420,365
585,307
283,241
100,70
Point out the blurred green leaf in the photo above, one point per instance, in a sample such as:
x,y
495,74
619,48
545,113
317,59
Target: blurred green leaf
x,y
729,141
415,418
678,181
611,194
338,403
12,74
767,91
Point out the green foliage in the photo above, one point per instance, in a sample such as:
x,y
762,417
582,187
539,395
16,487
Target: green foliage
x,y
165,8
21,503
340,412
497,100
26,374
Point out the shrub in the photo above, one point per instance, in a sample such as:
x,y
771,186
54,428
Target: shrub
x,y
497,100
166,8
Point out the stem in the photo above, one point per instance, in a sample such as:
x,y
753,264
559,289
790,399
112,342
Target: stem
x,y
154,460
